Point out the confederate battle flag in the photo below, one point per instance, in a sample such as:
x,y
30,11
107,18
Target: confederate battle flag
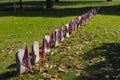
x,y
26,59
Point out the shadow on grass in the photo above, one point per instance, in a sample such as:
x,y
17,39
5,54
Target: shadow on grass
x,y
8,75
48,12
108,69
110,10
11,66
37,9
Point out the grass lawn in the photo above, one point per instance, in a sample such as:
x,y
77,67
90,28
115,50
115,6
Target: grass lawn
x,y
92,52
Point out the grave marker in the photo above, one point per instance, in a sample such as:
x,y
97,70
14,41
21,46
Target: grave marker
x,y
19,63
47,43
56,38
66,34
35,52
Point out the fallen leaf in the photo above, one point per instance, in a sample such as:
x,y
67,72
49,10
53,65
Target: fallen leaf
x,y
28,74
46,75
55,77
51,66
36,69
41,79
70,57
52,53
41,69
21,75
78,66
46,65
20,79
61,70
77,74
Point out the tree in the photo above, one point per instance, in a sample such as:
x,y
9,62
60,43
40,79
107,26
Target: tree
x,y
49,3
56,0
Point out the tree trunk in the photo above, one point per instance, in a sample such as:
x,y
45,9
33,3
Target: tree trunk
x,y
56,0
20,3
109,0
49,3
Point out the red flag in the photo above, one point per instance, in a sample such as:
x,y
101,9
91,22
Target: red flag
x,y
26,59
43,52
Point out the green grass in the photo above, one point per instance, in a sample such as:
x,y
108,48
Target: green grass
x,y
100,38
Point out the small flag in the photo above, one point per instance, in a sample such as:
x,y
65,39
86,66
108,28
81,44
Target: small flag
x,y
52,39
74,25
43,50
42,53
77,21
70,27
26,59
59,35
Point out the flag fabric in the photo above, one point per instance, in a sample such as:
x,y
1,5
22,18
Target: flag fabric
x,y
45,46
71,27
77,21
60,34
43,50
52,39
42,53
82,21
74,25
26,59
